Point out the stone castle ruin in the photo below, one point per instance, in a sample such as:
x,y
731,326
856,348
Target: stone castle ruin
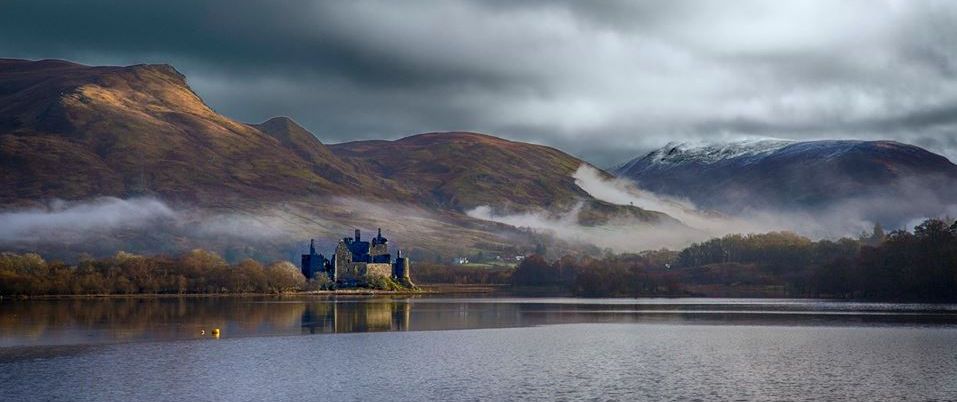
x,y
355,262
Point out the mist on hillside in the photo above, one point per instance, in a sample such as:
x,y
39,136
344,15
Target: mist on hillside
x,y
145,224
148,225
105,225
848,218
67,222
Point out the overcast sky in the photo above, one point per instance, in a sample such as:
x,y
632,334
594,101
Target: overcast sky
x,y
604,80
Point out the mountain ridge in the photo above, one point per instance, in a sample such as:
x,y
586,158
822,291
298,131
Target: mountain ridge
x,y
132,130
76,132
784,175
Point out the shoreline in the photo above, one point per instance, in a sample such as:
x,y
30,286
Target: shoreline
x,y
422,290
453,289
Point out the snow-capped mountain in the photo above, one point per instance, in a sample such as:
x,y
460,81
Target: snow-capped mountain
x,y
682,153
782,174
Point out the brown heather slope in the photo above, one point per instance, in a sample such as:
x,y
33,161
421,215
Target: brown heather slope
x,y
463,170
71,131
74,132
325,163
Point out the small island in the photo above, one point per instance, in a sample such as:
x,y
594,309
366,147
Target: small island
x,y
358,263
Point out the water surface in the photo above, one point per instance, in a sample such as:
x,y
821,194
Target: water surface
x,y
469,348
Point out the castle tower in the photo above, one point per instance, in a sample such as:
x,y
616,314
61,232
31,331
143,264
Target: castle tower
x,y
312,263
401,268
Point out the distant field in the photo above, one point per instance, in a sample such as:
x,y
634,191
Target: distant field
x,y
489,265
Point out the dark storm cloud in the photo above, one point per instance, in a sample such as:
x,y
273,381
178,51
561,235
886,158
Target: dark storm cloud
x,y
250,37
604,80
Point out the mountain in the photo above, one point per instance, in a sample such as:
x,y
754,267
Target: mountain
x,y
74,132
324,162
780,174
464,170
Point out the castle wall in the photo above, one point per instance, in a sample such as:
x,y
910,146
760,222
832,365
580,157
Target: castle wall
x,y
401,268
379,253
379,269
342,264
356,261
352,271
379,249
311,265
359,271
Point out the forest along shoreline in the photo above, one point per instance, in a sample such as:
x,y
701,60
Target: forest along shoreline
x,y
900,266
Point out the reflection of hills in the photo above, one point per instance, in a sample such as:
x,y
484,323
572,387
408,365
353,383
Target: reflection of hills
x,y
358,316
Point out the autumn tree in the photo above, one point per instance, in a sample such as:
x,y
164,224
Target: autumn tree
x,y
283,276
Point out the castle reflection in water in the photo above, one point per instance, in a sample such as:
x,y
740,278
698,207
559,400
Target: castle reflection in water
x,y
106,320
345,316
82,321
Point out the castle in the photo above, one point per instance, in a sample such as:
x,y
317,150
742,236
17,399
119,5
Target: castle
x,y
356,261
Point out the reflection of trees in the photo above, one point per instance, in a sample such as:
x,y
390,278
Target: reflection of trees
x,y
146,318
111,319
374,315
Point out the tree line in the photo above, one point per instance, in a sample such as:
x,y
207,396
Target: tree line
x,y
611,276
198,271
440,273
900,265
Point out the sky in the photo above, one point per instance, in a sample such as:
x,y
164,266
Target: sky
x,y
603,80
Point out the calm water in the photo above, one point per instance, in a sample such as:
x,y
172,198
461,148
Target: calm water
x,y
449,348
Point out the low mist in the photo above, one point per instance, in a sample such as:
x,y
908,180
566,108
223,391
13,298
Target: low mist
x,y
70,222
621,236
849,217
102,226
105,225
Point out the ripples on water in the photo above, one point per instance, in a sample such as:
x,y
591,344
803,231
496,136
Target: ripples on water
x,y
492,348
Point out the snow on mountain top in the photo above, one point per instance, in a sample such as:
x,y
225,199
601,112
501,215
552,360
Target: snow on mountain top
x,y
707,153
741,152
711,153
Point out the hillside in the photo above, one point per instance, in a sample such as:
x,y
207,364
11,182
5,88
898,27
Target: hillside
x,y
76,133
464,170
778,174
71,131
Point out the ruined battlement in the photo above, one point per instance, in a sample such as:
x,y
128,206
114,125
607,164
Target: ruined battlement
x,y
355,261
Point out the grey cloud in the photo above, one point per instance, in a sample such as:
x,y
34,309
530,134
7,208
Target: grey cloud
x,y
603,80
